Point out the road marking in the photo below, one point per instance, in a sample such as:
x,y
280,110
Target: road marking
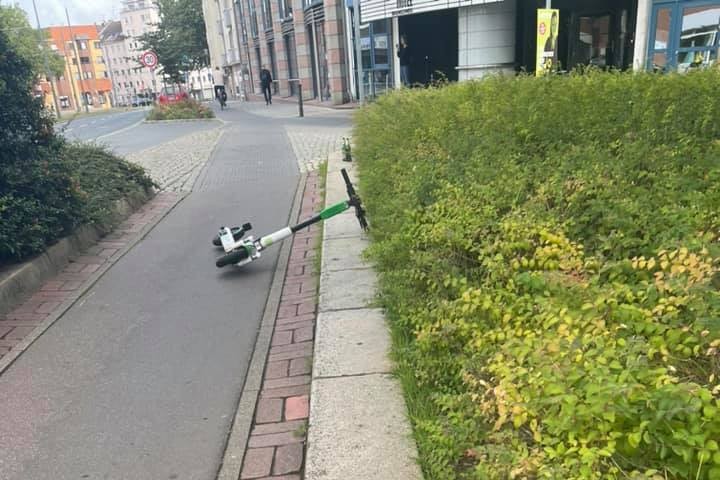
x,y
121,130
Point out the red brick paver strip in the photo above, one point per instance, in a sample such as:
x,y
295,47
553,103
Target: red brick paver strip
x,y
282,411
53,296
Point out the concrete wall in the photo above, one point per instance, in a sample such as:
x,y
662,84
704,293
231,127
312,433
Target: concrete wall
x,y
487,36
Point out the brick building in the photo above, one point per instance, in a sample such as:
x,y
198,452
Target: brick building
x,y
300,41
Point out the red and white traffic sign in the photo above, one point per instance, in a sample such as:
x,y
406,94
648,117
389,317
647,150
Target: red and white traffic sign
x,y
149,59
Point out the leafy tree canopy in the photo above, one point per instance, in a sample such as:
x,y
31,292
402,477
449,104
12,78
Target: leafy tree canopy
x,y
179,41
26,41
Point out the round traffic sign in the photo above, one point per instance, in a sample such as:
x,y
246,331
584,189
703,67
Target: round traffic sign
x,y
149,59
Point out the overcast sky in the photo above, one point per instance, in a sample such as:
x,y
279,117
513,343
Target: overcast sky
x,y
52,12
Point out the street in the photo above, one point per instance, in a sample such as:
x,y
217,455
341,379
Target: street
x,y
141,377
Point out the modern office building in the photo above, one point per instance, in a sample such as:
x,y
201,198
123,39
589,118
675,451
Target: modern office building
x,y
312,41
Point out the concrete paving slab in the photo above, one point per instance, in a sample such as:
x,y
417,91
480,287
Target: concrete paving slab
x,y
351,342
359,440
344,254
344,225
345,289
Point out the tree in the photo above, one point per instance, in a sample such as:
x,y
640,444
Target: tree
x,y
179,41
27,42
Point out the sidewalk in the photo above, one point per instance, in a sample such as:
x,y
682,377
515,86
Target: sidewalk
x,y
342,382
358,421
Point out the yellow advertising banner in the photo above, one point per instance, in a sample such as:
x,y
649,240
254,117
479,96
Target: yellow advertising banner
x,y
548,22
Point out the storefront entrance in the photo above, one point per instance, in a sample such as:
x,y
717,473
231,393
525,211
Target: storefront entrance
x,y
433,41
592,32
683,35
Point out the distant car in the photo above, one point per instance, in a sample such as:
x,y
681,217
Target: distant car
x,y
141,101
172,94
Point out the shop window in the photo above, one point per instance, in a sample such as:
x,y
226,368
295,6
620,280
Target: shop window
x,y
684,36
376,57
592,42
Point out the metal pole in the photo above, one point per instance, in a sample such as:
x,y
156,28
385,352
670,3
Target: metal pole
x,y
300,100
358,51
77,59
548,3
49,74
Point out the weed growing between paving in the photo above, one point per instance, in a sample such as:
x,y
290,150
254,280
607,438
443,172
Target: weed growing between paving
x,y
547,251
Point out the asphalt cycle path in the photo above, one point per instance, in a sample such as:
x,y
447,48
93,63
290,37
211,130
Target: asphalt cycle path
x,y
140,379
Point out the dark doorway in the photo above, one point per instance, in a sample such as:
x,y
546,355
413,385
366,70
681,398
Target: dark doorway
x,y
433,41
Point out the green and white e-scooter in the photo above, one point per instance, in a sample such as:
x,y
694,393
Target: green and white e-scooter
x,y
241,250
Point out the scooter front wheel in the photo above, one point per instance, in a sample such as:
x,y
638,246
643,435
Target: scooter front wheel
x,y
232,258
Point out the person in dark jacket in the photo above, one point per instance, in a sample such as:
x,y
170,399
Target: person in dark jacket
x,y
403,52
266,83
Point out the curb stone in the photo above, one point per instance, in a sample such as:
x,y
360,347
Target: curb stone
x,y
358,427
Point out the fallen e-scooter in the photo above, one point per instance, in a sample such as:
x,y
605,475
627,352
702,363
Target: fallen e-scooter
x,y
241,250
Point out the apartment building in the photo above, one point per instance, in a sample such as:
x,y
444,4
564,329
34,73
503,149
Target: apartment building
x,y
134,83
85,82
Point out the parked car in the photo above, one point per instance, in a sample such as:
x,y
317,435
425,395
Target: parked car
x,y
141,101
172,94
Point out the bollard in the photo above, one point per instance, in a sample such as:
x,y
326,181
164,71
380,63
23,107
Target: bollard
x,y
300,100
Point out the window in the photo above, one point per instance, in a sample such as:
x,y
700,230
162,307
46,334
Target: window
x,y
82,44
311,3
100,60
87,75
53,47
77,76
85,60
64,102
267,15
241,21
105,74
285,9
97,45
684,35
74,61
253,19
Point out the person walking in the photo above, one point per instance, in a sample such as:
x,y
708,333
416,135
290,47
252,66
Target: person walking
x,y
266,83
403,52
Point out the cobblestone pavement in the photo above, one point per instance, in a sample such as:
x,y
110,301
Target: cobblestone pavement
x,y
277,441
312,145
313,138
176,164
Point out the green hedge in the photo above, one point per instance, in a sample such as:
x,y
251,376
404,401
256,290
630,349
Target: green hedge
x,y
548,255
48,187
68,186
184,110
